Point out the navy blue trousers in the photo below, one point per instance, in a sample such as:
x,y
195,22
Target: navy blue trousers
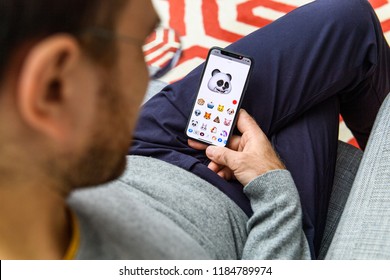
x,y
322,59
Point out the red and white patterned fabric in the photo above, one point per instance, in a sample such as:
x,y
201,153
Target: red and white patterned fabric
x,y
202,24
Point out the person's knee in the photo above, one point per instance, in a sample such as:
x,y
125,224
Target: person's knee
x,y
347,12
345,18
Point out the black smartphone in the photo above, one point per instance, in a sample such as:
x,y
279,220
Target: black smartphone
x,y
223,83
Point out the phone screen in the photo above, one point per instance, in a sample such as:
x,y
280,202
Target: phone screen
x,y
219,97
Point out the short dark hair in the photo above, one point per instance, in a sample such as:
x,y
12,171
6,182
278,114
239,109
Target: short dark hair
x,y
23,21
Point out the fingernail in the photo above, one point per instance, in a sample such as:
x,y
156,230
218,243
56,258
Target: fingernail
x,y
210,151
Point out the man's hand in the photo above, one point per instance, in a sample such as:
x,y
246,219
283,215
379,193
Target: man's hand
x,y
247,157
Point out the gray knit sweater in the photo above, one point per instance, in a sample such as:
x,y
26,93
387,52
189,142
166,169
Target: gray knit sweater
x,y
159,211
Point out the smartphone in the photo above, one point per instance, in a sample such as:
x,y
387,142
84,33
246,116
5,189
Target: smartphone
x,y
221,90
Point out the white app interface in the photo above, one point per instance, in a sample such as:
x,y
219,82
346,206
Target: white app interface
x,y
218,99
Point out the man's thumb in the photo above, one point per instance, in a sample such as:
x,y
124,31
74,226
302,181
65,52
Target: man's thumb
x,y
219,155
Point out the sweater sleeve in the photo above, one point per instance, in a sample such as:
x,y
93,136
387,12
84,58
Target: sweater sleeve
x,y
275,229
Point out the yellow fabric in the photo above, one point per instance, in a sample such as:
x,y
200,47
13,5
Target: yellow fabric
x,y
75,241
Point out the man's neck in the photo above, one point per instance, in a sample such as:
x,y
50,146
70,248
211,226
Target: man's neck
x,y
34,222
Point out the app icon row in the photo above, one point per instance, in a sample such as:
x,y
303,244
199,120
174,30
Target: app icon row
x,y
220,107
208,116
203,134
205,126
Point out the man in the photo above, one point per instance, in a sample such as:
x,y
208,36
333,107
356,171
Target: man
x,y
322,59
71,87
67,110
63,119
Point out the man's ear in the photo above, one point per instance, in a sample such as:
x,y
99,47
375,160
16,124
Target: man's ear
x,y
43,84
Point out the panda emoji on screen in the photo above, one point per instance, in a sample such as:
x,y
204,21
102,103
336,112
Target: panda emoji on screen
x,y
220,82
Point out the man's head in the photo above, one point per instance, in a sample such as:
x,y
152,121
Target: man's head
x,y
69,96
